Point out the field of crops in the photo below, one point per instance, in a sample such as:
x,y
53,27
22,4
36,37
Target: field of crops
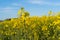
x,y
31,28
26,27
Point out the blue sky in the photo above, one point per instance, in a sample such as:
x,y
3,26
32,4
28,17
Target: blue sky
x,y
9,8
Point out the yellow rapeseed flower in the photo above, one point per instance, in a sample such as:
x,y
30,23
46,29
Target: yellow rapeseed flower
x,y
56,22
6,25
14,25
58,27
33,25
44,28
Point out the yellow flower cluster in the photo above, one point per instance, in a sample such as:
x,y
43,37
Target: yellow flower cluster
x,y
31,28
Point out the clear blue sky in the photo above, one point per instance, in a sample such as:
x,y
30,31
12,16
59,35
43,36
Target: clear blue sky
x,y
9,8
